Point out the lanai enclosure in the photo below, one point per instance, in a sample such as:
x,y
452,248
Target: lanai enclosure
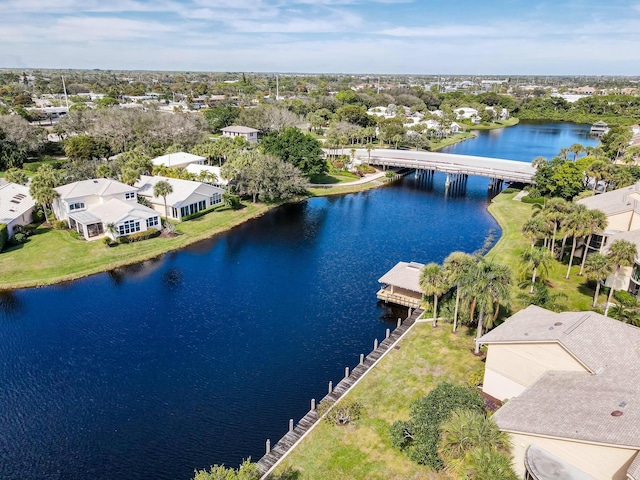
x,y
401,285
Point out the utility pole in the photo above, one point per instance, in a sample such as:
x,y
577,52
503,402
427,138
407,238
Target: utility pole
x,y
66,98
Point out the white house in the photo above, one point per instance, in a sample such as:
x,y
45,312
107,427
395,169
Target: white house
x,y
178,159
188,197
16,206
211,169
89,206
250,134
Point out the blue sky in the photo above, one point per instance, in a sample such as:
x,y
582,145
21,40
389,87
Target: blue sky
x,y
480,37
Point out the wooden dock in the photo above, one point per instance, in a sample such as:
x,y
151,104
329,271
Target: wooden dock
x,y
286,443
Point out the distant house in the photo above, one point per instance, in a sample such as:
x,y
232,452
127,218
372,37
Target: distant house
x,y
572,381
89,206
16,206
188,197
249,134
401,285
467,113
178,159
198,170
454,128
599,128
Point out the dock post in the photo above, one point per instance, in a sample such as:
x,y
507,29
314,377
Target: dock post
x,y
375,344
330,387
387,333
346,372
291,424
410,311
268,447
399,322
361,358
313,404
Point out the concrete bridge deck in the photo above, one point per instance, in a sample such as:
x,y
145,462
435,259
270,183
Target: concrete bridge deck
x,y
496,168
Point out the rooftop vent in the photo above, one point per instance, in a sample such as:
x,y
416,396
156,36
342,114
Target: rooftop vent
x,y
557,324
623,404
616,413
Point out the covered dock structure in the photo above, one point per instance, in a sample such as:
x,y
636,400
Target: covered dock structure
x,y
401,285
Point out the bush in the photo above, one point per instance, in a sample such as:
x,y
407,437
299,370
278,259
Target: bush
x,y
60,224
38,216
74,234
201,213
107,241
4,235
138,237
342,413
364,169
420,435
529,199
19,239
625,298
510,190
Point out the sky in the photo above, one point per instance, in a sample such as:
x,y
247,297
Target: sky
x,y
476,37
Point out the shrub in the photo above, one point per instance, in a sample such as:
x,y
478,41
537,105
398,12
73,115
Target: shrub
x,y
200,213
341,413
107,241
510,190
420,435
390,174
19,239
139,236
364,169
60,224
4,235
38,216
530,199
625,298
74,234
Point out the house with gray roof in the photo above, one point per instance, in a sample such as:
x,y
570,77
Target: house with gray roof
x,y
401,285
571,386
16,206
249,134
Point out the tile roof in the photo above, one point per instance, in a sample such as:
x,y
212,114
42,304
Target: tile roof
x,y
97,186
577,405
182,189
404,275
14,201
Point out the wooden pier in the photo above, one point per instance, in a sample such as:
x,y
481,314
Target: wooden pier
x,y
273,455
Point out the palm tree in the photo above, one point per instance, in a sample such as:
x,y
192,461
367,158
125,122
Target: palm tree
x,y
491,287
533,229
536,258
433,281
576,149
564,153
111,229
369,147
575,228
595,221
44,195
626,314
543,297
598,267
598,170
162,189
621,254
458,266
554,210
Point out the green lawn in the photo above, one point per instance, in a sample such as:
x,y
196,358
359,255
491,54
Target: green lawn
x,y
334,178
455,138
363,450
510,122
511,215
52,256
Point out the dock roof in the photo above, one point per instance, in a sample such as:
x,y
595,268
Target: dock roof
x,y
404,275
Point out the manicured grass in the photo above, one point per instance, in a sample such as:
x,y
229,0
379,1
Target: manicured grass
x,y
334,178
445,142
509,122
52,256
326,192
427,356
511,215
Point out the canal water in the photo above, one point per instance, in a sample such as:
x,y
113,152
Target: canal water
x,y
197,357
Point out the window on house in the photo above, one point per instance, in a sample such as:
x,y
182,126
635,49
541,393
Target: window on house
x,y
129,195
152,222
76,206
128,226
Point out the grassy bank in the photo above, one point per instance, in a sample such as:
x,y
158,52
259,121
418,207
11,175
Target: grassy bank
x,y
363,451
53,256
333,178
509,122
453,139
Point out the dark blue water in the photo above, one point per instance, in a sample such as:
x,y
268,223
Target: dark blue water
x,y
525,141
197,357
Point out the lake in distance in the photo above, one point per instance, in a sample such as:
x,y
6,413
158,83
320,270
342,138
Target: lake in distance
x,y
199,356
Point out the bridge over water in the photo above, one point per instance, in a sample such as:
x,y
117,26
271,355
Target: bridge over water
x,y
456,167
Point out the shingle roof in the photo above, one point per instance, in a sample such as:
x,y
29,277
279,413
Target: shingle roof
x,y
577,405
615,201
404,275
115,210
14,201
96,186
182,189
178,158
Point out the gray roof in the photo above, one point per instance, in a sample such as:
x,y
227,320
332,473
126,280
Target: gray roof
x,y
404,275
577,405
177,158
95,186
85,217
615,201
239,129
182,189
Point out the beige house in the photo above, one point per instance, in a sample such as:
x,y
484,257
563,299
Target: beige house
x,y
622,208
16,205
401,285
572,381
250,134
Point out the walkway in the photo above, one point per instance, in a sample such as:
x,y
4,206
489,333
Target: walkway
x,y
295,435
448,163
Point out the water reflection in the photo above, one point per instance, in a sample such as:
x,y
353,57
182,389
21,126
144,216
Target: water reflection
x,y
10,303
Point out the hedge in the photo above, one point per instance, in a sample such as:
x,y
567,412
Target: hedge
x,y
528,199
137,237
201,213
4,235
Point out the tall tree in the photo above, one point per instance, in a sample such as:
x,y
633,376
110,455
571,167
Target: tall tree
x,y
621,254
598,267
297,148
595,222
162,189
576,149
459,268
575,228
433,281
535,258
